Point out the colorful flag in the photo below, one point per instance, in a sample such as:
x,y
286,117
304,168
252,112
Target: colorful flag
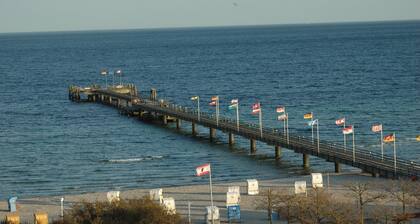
x,y
312,123
203,169
307,116
194,98
214,100
256,108
233,104
389,138
348,130
340,121
280,109
377,127
282,117
104,72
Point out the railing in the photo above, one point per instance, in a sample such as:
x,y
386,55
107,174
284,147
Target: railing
x,y
328,150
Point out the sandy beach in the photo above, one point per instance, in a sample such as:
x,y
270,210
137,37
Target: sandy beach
x,y
198,196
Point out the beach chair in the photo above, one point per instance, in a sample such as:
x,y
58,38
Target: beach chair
x,y
113,196
40,218
12,218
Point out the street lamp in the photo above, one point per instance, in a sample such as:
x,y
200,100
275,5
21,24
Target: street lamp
x,y
104,72
118,72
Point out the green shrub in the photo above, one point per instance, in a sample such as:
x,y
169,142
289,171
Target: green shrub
x,y
138,211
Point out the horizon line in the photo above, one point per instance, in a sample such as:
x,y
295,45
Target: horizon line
x,y
204,27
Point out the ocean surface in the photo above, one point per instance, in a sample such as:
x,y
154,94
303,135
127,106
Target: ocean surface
x,y
366,72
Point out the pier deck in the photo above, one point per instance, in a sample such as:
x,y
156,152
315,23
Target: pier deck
x,y
129,102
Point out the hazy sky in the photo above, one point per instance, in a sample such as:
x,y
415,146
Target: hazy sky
x,y
55,15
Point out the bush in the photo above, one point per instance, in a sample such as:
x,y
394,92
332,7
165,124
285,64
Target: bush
x,y
138,211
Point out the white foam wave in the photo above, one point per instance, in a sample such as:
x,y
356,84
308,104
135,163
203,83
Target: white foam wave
x,y
132,160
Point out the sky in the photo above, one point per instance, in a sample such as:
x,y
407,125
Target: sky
x,y
64,15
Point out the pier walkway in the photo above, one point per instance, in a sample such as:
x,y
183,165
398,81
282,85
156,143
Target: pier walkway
x,y
127,100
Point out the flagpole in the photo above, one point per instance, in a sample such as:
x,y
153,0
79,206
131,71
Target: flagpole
x,y
284,123
287,127
312,127
217,111
395,155
260,118
237,115
198,107
211,195
354,148
382,143
317,133
345,142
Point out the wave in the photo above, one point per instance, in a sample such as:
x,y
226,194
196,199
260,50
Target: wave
x,y
132,160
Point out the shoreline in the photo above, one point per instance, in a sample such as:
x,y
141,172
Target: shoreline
x,y
198,195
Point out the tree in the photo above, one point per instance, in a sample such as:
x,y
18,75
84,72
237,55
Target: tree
x,y
363,195
401,190
141,211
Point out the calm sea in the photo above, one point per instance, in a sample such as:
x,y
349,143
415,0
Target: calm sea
x,y
366,72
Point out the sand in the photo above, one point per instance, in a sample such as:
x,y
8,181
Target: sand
x,y
199,197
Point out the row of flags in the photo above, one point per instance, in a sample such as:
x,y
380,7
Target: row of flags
x,y
283,116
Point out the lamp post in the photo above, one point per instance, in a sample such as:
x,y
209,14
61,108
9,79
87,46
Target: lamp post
x,y
118,72
104,72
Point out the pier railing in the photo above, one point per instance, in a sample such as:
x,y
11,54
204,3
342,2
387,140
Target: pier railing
x,y
369,161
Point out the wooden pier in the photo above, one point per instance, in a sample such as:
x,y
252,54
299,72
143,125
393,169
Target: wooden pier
x,y
128,101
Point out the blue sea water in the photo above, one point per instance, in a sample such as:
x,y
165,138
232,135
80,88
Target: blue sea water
x,y
367,72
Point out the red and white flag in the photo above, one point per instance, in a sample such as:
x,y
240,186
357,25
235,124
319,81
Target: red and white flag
x,y
214,100
256,108
280,109
348,130
377,127
203,169
282,117
340,121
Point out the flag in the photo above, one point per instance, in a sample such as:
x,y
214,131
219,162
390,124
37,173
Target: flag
x,y
203,169
389,138
282,117
280,109
312,123
377,127
307,116
214,100
233,104
104,72
194,98
340,121
348,130
256,108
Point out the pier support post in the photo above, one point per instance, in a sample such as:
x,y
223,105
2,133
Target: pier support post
x,y
165,119
110,100
305,161
178,124
231,139
252,146
337,167
212,134
194,127
278,151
